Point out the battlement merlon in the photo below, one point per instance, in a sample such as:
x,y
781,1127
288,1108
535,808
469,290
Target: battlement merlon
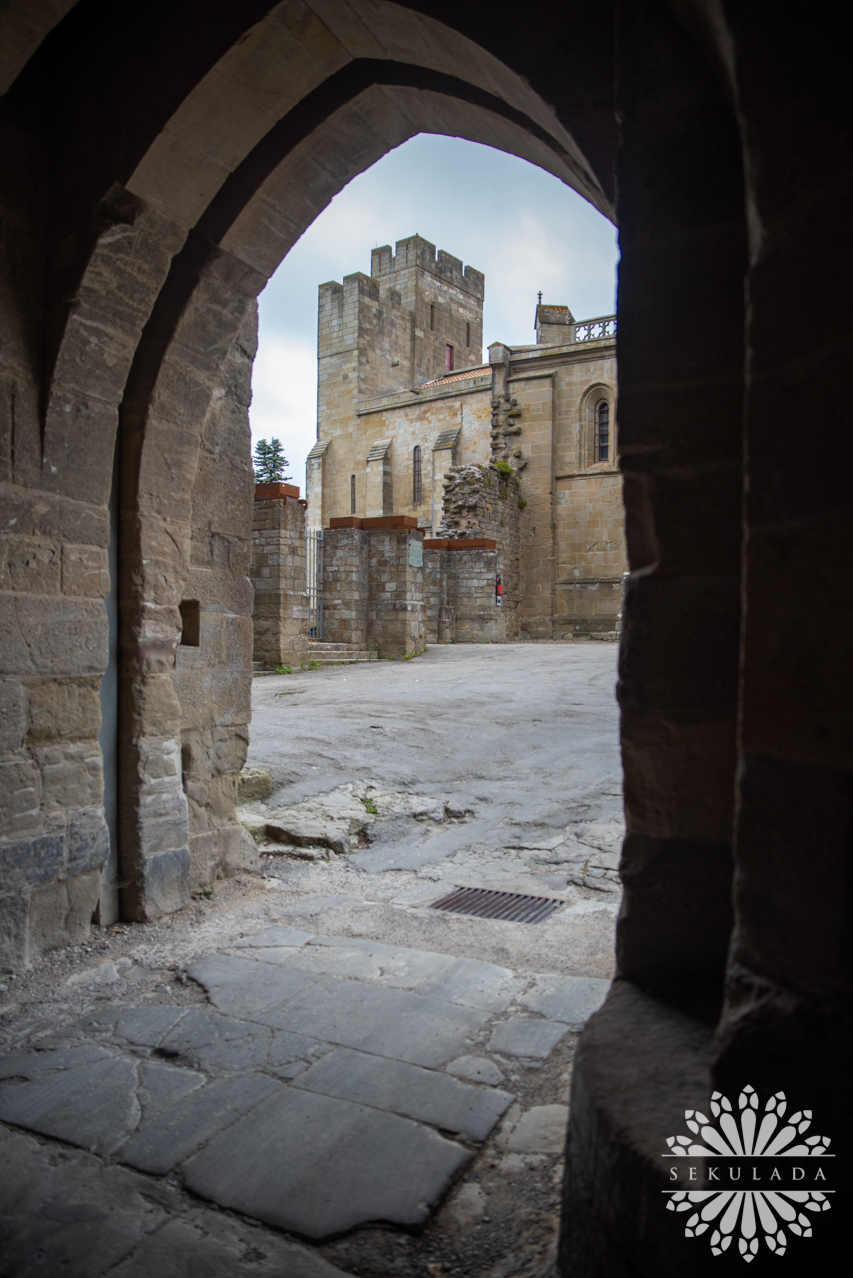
x,y
416,251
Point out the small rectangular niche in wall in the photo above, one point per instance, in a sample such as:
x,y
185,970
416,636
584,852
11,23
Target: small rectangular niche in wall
x,y
190,623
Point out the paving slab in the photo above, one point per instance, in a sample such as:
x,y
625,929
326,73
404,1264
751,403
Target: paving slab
x,y
527,1036
478,1068
66,1212
34,1064
289,936
184,1247
386,1022
373,961
92,1106
541,1130
217,1043
317,1165
147,1026
571,999
401,1088
168,1136
473,983
246,989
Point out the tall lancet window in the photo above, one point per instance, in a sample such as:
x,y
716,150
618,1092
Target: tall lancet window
x,y
352,494
602,432
417,482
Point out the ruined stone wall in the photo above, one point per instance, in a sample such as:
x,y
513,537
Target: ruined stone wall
x,y
481,502
280,615
213,664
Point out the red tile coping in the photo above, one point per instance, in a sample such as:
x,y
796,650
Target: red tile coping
x,y
376,521
460,543
266,492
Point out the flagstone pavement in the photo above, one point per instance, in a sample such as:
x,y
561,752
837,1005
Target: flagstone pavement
x,y
323,1083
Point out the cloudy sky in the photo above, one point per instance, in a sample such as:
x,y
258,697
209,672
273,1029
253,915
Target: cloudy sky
x,y
521,227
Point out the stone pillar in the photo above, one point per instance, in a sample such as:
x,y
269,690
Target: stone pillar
x,y
345,582
315,473
378,480
395,611
680,351
280,617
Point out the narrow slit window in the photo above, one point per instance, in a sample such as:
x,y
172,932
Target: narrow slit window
x,y
602,432
352,494
448,359
417,482
431,318
190,623
468,336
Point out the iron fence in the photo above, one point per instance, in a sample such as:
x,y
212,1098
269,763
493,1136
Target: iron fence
x,y
314,581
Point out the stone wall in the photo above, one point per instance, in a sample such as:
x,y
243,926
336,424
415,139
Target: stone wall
x,y
373,592
460,599
345,584
213,662
481,502
280,616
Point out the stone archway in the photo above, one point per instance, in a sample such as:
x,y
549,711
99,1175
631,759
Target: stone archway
x,y
168,156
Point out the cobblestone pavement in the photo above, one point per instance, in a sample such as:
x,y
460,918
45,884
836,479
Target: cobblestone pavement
x,y
244,1088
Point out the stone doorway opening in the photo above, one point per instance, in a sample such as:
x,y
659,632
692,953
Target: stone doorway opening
x,y
162,165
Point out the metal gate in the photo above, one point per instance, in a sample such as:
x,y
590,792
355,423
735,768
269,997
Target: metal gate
x,y
314,581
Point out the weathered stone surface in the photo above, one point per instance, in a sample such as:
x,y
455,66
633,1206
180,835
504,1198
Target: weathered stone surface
x,y
253,991
147,1026
526,1036
273,936
387,1022
254,783
407,1089
478,1068
166,1137
182,1246
60,1104
85,571
218,1044
13,714
541,1130
66,1211
161,886
34,1064
348,1174
474,984
571,999
370,960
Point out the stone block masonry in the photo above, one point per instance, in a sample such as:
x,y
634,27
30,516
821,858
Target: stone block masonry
x,y
460,598
483,502
373,591
280,616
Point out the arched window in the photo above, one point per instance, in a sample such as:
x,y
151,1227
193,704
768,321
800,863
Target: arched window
x,y
417,485
602,431
352,494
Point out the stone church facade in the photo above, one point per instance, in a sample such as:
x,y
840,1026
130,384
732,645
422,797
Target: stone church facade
x,y
404,400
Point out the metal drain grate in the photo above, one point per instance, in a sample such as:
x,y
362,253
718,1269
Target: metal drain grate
x,y
487,903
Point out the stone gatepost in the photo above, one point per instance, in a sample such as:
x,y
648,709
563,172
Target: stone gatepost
x,y
280,616
374,584
345,586
395,608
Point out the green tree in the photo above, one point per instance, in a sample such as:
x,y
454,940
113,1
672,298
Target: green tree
x,y
270,462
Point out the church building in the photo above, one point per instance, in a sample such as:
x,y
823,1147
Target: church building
x,y
404,396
